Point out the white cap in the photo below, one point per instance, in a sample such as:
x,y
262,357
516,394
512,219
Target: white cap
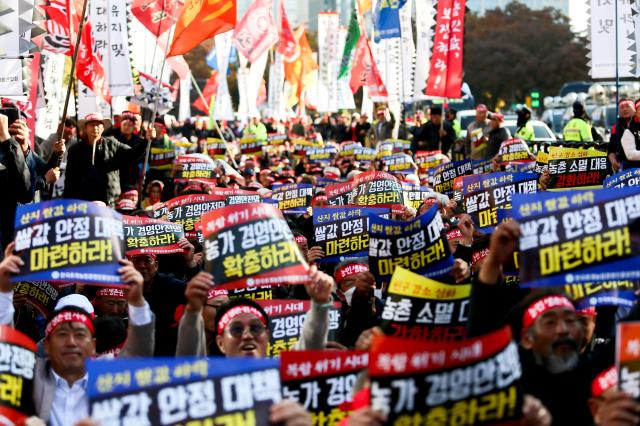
x,y
75,301
353,173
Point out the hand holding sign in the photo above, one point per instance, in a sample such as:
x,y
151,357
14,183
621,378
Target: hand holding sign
x,y
133,278
10,265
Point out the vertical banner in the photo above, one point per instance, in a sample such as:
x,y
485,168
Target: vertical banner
x,y
344,95
275,97
52,76
425,20
223,108
453,88
11,77
17,366
408,51
602,58
327,86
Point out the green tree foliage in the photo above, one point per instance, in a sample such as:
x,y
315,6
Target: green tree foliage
x,y
512,51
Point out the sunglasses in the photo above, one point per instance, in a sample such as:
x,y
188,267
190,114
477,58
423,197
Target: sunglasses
x,y
237,330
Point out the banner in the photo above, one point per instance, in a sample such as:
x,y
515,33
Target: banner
x,y
485,194
156,15
427,160
628,357
603,28
322,155
69,240
418,245
249,145
294,198
328,32
343,232
419,308
223,109
399,163
322,381
472,382
286,318
187,210
174,391
251,245
445,174
351,41
216,148
373,189
275,95
425,22
608,293
151,236
196,169
386,20
256,32
408,48
18,364
574,167
414,196
578,236
161,158
42,295
514,151
630,177
365,72
542,162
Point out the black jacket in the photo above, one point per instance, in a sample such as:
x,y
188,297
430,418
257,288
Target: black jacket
x,y
496,137
15,181
129,172
427,138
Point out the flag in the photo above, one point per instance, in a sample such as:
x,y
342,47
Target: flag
x,y
445,76
156,15
299,74
353,35
57,39
256,32
209,93
386,20
288,46
89,68
365,72
201,20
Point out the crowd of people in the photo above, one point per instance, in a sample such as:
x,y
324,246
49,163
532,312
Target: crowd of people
x,y
169,306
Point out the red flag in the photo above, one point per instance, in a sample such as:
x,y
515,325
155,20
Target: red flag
x,y
156,15
288,46
209,91
445,77
201,20
365,72
58,38
256,31
89,69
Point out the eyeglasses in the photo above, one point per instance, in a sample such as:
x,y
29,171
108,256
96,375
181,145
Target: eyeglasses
x,y
237,330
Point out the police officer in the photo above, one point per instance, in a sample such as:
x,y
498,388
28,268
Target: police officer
x,y
525,128
578,128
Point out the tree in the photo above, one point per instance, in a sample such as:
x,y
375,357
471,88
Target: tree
x,y
510,52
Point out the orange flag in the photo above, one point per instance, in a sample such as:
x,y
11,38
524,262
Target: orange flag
x,y
200,20
299,73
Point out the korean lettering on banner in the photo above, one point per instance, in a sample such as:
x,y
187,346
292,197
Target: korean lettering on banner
x,y
445,174
479,167
343,233
69,240
249,145
42,295
193,391
322,182
301,146
514,151
628,357
436,83
398,145
322,155
216,148
348,149
146,235
233,196
264,292
161,158
293,198
196,169
485,194
276,138
418,245
542,162
575,168
578,236
187,210
251,245
17,368
364,155
607,293
321,381
415,196
419,308
427,160
630,177
374,189
399,163
471,382
285,322
160,211
524,167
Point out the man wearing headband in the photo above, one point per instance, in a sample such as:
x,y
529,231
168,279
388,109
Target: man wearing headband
x,y
626,111
630,142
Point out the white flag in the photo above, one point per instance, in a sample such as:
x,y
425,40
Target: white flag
x,y
425,20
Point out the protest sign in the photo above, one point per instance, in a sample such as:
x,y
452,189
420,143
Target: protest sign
x,y
575,168
419,308
322,155
628,357
194,167
542,162
301,146
42,295
249,145
151,236
160,211
348,149
264,292
175,391
161,158
397,145
414,196
373,189
479,167
187,210
471,382
285,322
399,163
342,232
276,138
427,160
293,198
630,177
484,194
445,174
216,148
251,245
321,381
514,151
608,293
365,155
17,368
578,236
418,245
69,240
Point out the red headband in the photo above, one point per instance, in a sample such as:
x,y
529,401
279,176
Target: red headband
x,y
301,239
213,293
349,270
604,381
455,233
538,308
110,292
235,311
69,316
591,310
